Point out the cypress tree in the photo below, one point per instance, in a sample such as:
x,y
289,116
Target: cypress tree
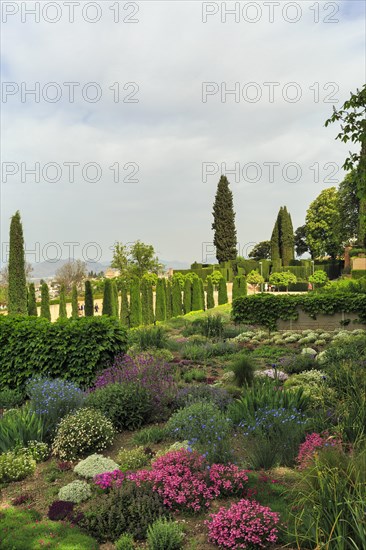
x,y
89,303
202,295
176,299
62,313
168,299
108,298
32,303
239,287
17,290
223,299
135,303
114,299
196,295
74,303
124,314
160,300
210,294
145,301
287,242
150,302
275,240
224,222
45,302
187,296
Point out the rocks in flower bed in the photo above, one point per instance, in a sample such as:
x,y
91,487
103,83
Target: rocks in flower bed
x,y
272,373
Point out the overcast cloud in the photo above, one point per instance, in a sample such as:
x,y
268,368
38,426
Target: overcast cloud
x,y
164,139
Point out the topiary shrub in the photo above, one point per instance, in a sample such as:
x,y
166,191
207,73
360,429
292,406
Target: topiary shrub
x,y
81,433
76,491
128,509
128,405
132,459
95,464
14,467
165,535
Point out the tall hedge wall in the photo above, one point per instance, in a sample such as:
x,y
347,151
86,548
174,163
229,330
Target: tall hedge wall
x,y
74,349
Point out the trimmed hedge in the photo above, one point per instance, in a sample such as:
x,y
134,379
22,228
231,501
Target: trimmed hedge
x,y
74,349
267,309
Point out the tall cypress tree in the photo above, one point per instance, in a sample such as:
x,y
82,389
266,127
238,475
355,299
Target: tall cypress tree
x,y
224,222
160,300
275,240
202,295
62,313
32,303
124,314
45,302
17,290
145,306
196,295
210,294
187,296
108,298
89,303
176,299
169,299
135,303
287,243
150,302
239,287
115,299
74,303
223,299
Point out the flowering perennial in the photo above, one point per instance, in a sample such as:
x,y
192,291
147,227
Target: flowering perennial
x,y
246,524
109,480
313,443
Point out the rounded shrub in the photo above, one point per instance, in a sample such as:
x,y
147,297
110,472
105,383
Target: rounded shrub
x,y
83,432
76,491
132,459
14,467
95,464
165,535
125,542
243,368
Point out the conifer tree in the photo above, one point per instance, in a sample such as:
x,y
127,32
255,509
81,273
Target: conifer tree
x,y
135,303
176,299
150,302
187,295
147,301
62,313
210,294
115,299
74,303
108,298
169,299
160,300
45,302
202,295
223,299
224,222
32,303
89,303
196,295
275,241
17,290
124,314
239,287
287,243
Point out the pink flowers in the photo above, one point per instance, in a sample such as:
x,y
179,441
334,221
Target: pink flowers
x,y
186,481
109,480
314,442
243,525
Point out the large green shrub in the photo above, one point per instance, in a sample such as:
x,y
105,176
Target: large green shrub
x,y
127,405
72,349
165,535
82,433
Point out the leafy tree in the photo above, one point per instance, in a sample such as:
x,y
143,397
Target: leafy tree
x,y
108,298
135,303
73,272
169,299
120,259
210,293
300,241
187,295
322,225
124,314
319,278
239,287
254,278
349,207
222,298
283,278
74,302
89,303
176,299
261,251
45,302
160,307
62,313
224,222
17,290
196,295
216,277
32,303
202,294
143,259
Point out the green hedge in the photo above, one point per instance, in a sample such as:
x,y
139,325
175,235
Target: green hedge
x,y
358,273
267,309
74,349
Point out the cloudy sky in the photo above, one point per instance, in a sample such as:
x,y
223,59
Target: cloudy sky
x,y
138,107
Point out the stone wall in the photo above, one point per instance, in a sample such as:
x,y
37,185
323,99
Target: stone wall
x,y
325,322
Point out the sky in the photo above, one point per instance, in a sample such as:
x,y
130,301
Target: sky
x,y
139,107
